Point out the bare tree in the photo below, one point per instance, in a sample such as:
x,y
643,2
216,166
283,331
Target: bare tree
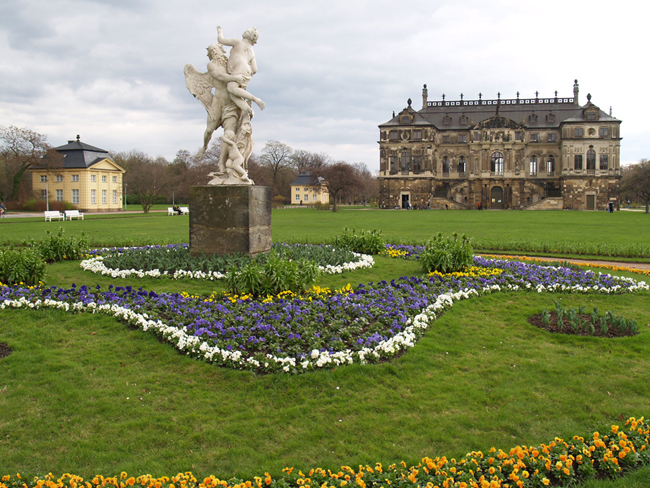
x,y
339,177
636,181
275,156
303,161
146,178
21,149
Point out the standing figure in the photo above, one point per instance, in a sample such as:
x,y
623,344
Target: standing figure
x,y
241,62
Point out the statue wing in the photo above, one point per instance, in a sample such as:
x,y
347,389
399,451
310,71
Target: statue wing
x,y
200,85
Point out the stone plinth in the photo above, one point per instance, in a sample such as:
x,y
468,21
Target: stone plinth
x,y
230,219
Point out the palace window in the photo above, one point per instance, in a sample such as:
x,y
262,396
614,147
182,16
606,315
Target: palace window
x,y
462,138
533,166
533,118
578,132
114,179
603,132
591,160
43,178
392,135
604,161
114,196
93,196
550,164
417,135
103,178
534,138
463,119
417,164
496,163
393,163
297,197
93,178
461,165
577,162
591,115
75,195
406,161
43,194
446,120
518,135
445,165
59,178
75,178
445,139
406,119
550,118
477,136
551,137
59,195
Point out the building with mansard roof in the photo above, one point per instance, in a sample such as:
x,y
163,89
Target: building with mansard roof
x,y
89,179
520,153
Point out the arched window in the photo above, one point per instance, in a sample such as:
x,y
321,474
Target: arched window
x,y
591,159
445,165
533,165
550,164
461,164
496,163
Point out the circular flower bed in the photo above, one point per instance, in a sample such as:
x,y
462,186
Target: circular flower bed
x,y
174,261
321,329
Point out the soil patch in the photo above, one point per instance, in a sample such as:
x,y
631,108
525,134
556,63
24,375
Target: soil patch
x,y
5,350
584,330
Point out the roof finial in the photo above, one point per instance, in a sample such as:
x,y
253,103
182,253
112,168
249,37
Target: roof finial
x,y
409,101
589,97
78,138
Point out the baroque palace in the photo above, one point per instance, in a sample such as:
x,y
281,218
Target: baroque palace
x,y
521,153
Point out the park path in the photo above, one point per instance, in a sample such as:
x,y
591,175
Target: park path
x,y
644,266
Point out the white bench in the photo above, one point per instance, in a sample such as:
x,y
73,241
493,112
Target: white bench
x,y
70,214
53,214
170,211
185,210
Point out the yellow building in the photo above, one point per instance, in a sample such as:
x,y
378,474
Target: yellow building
x,y
89,179
309,190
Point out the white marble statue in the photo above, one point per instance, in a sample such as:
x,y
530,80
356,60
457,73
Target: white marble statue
x,y
228,106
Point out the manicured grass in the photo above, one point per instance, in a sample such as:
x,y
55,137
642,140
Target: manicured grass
x,y
85,394
398,226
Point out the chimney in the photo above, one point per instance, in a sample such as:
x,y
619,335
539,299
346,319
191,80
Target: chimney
x,y
575,93
425,96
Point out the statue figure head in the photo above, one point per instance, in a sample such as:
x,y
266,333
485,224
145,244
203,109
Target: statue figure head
x,y
251,34
216,51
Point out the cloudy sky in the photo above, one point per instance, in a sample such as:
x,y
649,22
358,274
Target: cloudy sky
x,y
329,72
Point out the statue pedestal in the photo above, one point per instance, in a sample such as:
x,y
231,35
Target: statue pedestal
x,y
230,219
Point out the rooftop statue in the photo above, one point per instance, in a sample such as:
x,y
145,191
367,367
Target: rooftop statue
x,y
229,105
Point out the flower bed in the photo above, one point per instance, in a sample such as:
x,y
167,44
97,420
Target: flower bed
x,y
174,261
295,334
558,462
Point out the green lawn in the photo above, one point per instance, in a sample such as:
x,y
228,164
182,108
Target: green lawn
x,y
86,394
399,226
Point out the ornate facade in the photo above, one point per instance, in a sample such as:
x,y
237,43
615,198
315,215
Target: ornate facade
x,y
537,153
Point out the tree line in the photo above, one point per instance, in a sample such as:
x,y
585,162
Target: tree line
x,y
150,180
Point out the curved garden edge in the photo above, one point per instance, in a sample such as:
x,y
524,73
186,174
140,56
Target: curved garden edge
x,y
410,329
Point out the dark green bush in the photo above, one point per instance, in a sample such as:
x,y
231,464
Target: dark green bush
x,y
364,242
447,254
272,277
24,266
59,248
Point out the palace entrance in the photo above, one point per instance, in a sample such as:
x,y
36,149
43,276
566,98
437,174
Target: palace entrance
x,y
496,197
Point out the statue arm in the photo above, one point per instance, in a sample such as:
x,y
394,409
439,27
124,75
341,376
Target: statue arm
x,y
221,75
253,63
223,40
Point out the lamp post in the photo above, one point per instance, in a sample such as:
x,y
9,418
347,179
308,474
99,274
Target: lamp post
x,y
125,204
173,201
47,193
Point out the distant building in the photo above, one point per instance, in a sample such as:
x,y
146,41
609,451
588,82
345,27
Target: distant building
x,y
521,153
309,190
89,179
